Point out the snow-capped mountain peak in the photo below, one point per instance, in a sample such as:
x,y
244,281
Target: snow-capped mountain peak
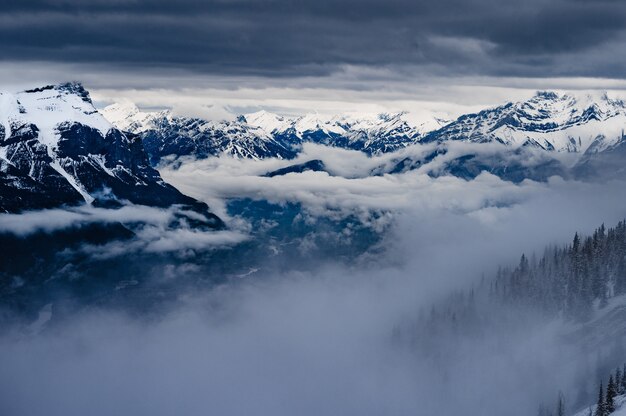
x,y
263,134
268,122
57,149
548,120
127,116
121,114
47,108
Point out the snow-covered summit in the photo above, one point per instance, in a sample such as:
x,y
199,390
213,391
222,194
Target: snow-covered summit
x,y
47,108
126,116
549,120
57,149
268,122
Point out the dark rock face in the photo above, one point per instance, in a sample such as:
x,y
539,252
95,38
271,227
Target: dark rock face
x,y
81,162
315,165
180,136
27,179
115,163
20,192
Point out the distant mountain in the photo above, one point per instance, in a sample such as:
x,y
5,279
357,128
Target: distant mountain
x,y
262,134
369,133
548,121
587,126
56,149
314,165
165,134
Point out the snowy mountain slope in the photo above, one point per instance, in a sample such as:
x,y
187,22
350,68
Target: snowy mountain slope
x,y
263,134
165,134
371,133
549,121
564,123
56,149
620,408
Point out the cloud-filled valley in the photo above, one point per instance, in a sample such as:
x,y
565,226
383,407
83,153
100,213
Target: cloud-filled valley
x,y
351,264
321,340
313,207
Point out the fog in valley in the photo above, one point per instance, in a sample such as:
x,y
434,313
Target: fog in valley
x,y
337,335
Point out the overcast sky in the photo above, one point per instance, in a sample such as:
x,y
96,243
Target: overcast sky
x,y
322,55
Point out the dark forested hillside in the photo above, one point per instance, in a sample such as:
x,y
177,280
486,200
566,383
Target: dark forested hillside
x,y
570,280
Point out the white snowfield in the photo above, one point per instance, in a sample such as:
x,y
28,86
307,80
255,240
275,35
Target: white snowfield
x,y
127,117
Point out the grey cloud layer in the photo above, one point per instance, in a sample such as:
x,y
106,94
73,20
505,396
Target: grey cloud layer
x,y
286,38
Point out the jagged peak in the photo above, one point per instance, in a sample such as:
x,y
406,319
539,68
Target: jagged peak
x,y
71,87
263,113
546,95
125,106
387,116
265,120
75,87
566,104
580,98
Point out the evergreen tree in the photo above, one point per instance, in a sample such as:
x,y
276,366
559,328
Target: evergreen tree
x,y
543,411
618,381
609,403
600,408
623,381
560,407
576,243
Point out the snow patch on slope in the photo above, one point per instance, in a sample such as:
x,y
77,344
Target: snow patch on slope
x,y
72,181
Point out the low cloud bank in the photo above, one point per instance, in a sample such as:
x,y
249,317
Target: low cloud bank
x,y
154,228
322,341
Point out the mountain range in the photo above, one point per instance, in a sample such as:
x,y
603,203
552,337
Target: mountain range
x,y
262,134
57,149
578,135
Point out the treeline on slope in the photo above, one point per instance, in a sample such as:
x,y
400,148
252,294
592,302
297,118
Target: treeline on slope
x,y
616,385
606,403
571,281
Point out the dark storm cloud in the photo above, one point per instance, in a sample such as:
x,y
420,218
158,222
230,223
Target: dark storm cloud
x,y
312,37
